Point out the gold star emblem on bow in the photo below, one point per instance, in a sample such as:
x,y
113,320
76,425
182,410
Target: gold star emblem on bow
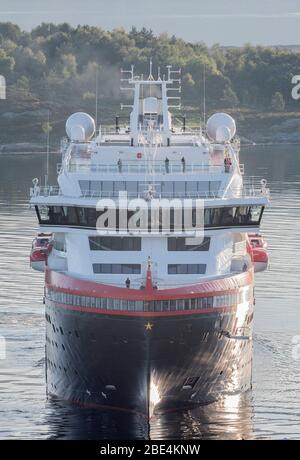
x,y
148,326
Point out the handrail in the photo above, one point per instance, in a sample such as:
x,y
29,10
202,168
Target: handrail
x,y
232,192
157,167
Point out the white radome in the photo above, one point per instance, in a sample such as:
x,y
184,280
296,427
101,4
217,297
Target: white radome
x,y
80,127
220,127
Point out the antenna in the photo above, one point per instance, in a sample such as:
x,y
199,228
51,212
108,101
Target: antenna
x,y
150,70
171,79
127,78
204,94
48,142
96,105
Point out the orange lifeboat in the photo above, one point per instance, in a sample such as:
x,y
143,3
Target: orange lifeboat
x,y
41,247
257,249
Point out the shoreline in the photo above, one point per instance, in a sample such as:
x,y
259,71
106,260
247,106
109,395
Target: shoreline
x,y
57,152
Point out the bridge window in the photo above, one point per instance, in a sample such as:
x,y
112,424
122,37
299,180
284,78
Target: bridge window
x,y
186,269
180,244
114,243
117,269
239,216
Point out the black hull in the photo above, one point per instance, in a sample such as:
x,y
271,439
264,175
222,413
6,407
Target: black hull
x,y
124,362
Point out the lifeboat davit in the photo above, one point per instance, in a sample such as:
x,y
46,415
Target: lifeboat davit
x,y
257,249
41,247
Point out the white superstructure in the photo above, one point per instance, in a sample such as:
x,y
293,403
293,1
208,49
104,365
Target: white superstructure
x,y
150,160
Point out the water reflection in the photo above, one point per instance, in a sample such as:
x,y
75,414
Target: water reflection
x,y
271,410
230,418
77,423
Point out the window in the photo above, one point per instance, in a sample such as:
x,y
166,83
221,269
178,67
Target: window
x,y
158,305
186,269
179,188
167,189
215,216
87,217
95,187
119,186
179,244
85,187
117,268
193,304
191,188
132,188
203,188
140,305
180,304
107,188
114,243
255,212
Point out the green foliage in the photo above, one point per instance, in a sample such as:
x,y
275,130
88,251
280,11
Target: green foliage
x,y
230,99
68,66
59,64
7,63
88,95
46,127
10,31
23,85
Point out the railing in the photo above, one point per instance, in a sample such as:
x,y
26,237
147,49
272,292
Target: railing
x,y
231,192
51,190
153,167
145,195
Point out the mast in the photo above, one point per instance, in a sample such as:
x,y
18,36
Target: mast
x,y
96,101
204,94
47,151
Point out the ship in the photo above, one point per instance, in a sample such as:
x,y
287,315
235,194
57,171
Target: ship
x,y
149,244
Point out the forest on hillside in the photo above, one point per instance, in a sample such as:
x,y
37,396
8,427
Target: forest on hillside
x,y
55,66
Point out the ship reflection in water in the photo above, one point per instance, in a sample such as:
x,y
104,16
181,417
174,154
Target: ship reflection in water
x,y
271,410
229,419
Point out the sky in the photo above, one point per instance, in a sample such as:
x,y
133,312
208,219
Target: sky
x,y
227,22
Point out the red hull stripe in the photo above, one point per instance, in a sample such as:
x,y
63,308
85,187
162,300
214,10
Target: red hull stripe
x,y
100,311
69,284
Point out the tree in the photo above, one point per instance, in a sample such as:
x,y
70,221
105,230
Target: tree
x,y
46,128
10,31
69,66
188,80
7,63
278,102
230,98
88,95
23,85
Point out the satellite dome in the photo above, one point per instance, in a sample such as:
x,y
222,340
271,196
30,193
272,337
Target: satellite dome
x,y
80,127
220,127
